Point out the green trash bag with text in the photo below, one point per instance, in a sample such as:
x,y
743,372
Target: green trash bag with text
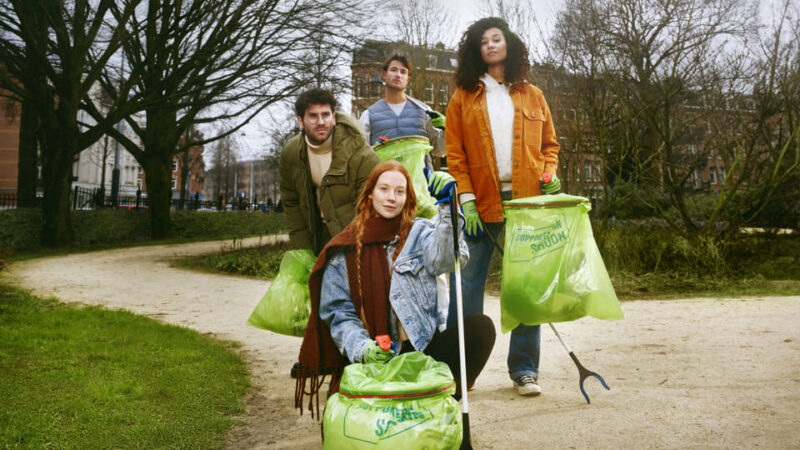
x,y
286,306
410,151
552,268
406,403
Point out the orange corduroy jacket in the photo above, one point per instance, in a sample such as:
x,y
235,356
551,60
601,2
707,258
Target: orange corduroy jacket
x,y
470,148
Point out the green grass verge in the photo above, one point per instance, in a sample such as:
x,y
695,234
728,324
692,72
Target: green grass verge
x,y
772,274
261,262
92,378
9,256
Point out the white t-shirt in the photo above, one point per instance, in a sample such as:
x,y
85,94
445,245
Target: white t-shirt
x,y
501,119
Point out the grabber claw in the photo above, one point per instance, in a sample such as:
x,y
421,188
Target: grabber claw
x,y
583,372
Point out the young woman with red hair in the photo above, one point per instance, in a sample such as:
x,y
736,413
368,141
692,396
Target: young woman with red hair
x,y
378,277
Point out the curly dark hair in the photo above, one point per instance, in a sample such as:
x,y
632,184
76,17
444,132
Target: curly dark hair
x,y
314,96
470,62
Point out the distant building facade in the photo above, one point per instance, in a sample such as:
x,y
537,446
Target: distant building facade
x,y
9,144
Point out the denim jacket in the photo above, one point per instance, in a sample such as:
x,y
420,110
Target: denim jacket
x,y
428,252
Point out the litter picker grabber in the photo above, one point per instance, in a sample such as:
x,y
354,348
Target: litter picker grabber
x,y
465,441
583,372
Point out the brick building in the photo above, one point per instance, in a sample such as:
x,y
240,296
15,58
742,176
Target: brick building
x,y
9,144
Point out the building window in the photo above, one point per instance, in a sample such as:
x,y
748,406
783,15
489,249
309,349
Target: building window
x,y
587,171
442,93
597,172
139,183
712,175
721,175
363,88
374,90
698,181
429,91
174,182
433,61
174,165
692,149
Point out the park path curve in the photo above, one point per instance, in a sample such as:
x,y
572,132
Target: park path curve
x,y
699,373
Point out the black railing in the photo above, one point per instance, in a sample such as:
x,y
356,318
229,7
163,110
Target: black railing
x,y
82,198
8,200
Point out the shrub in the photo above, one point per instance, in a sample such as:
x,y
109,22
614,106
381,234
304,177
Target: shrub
x,y
20,229
263,262
651,247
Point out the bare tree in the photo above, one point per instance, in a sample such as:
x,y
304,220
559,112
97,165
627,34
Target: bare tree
x,y
210,61
52,52
759,134
422,23
672,76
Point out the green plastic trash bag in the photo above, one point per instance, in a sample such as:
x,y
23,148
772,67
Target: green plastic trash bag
x,y
286,306
552,269
410,151
406,403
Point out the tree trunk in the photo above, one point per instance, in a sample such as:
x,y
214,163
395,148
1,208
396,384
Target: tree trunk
x,y
28,149
159,195
160,140
56,176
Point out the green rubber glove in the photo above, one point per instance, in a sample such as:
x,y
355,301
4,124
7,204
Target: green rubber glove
x,y
549,183
474,225
437,119
440,184
375,354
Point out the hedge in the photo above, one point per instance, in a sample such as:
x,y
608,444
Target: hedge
x,y
20,229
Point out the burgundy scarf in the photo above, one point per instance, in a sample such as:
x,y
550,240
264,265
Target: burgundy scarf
x,y
318,353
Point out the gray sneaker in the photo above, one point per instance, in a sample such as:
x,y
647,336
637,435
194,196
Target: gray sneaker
x,y
526,385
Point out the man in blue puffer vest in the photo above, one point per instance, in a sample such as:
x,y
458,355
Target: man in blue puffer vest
x,y
400,115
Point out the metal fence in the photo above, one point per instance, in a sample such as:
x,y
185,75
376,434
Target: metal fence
x,y
8,200
84,198
87,199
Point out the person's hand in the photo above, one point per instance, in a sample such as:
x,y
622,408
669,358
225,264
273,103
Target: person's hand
x,y
437,119
375,354
474,225
549,183
440,184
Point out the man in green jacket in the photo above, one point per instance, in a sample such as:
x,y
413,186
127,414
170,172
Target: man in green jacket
x,y
322,171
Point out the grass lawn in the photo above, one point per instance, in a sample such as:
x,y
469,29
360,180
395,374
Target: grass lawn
x,y
85,377
263,262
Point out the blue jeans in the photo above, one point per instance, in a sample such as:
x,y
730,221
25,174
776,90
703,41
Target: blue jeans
x,y
523,352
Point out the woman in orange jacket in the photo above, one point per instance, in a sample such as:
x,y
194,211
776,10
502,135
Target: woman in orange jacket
x,y
501,144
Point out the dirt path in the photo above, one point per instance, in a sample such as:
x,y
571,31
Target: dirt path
x,y
699,373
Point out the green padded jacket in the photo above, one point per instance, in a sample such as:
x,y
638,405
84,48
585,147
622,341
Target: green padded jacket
x,y
351,162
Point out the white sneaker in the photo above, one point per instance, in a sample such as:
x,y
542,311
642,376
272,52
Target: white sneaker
x,y
526,385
